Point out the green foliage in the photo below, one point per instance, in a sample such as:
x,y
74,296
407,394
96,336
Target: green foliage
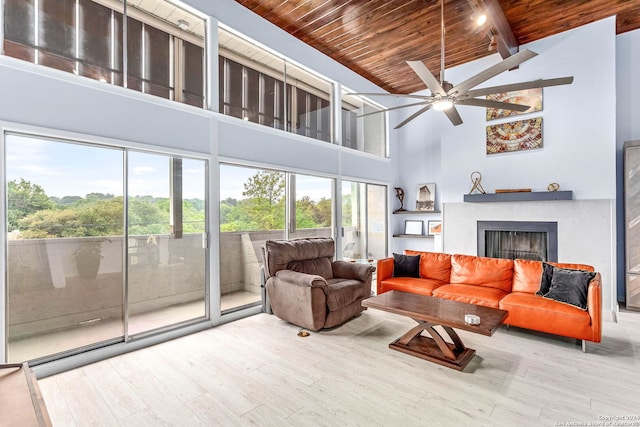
x,y
38,216
99,218
24,199
264,207
268,186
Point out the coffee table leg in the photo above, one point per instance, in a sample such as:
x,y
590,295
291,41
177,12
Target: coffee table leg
x,y
434,349
455,338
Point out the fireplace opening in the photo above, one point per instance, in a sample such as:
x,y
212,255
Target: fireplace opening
x,y
533,240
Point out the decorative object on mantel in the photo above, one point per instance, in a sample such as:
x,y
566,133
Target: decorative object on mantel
x,y
514,190
476,177
514,136
425,197
520,197
400,197
554,186
532,97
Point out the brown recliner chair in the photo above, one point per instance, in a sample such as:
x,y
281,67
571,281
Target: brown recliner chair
x,y
307,288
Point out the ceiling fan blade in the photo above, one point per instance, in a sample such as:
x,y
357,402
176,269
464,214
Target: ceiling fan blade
x,y
504,65
397,95
413,116
425,75
489,103
453,116
391,109
519,86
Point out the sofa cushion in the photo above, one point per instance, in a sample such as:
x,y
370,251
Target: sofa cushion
x,y
406,265
526,275
487,272
414,285
472,294
341,293
570,286
433,265
548,268
532,311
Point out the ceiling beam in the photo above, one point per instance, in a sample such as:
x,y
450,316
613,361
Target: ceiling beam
x,y
499,31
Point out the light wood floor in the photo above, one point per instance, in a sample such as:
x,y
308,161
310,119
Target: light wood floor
x,y
257,371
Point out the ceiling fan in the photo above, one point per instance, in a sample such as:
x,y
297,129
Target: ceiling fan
x,y
445,96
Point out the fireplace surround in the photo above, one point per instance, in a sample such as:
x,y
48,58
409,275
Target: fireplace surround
x,y
534,240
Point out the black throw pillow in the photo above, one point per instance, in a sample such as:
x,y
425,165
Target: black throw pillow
x,y
406,265
570,286
545,280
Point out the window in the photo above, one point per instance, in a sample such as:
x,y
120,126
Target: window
x,y
260,87
164,54
258,205
364,223
85,269
363,125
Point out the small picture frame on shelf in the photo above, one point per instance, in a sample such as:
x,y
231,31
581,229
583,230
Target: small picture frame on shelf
x,y
434,228
426,197
413,227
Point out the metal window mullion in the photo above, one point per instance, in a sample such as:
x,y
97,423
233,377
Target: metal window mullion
x,y
175,214
36,30
125,244
77,46
175,62
290,203
143,57
261,99
125,47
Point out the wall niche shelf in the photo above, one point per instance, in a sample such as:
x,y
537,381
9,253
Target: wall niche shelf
x,y
416,212
519,197
413,236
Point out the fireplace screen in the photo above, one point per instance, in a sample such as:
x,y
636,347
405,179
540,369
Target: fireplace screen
x,y
516,244
536,241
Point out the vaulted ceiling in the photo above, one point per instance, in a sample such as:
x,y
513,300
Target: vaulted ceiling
x,y
375,38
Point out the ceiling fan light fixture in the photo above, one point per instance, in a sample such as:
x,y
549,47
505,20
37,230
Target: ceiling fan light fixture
x,y
442,104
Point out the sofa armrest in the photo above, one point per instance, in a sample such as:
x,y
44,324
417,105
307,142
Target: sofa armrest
x,y
594,306
385,271
301,279
352,270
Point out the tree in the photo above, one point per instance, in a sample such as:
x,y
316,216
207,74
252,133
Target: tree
x,y
99,218
265,185
24,198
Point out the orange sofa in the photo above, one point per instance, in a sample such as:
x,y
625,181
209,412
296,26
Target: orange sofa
x,y
510,285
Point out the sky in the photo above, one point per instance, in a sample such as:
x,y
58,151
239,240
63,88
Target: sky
x,y
72,169
69,169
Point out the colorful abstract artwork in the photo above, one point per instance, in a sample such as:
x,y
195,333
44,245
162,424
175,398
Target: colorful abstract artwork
x,y
531,97
514,136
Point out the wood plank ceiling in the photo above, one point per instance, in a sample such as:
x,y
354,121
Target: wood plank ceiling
x,y
374,38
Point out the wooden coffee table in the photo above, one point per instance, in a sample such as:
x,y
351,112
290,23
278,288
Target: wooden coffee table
x,y
430,312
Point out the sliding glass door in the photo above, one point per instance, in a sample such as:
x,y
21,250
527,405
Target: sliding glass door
x,y
166,256
364,224
65,229
96,251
